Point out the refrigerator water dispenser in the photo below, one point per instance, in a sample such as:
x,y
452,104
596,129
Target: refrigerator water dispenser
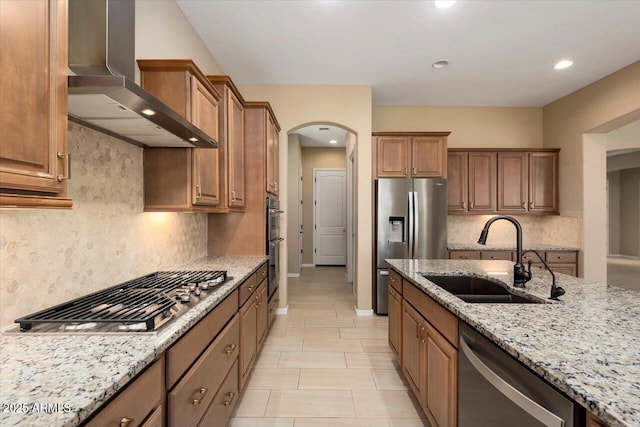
x,y
396,229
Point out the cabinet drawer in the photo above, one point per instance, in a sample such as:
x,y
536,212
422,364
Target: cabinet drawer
x,y
558,257
441,319
261,274
155,419
395,280
185,351
274,303
530,256
135,402
464,254
504,255
569,269
247,288
189,400
223,403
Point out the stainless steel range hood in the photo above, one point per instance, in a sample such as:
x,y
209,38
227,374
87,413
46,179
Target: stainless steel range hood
x,y
103,94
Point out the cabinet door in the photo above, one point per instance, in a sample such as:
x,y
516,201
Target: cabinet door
x,y
262,307
395,323
543,182
427,157
33,112
271,154
457,168
276,160
464,254
570,269
235,134
441,390
204,114
513,182
248,339
393,156
413,363
482,182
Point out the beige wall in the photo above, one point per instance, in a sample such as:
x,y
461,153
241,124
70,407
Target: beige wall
x,y
315,157
630,212
294,164
347,106
163,32
469,126
567,119
50,256
613,189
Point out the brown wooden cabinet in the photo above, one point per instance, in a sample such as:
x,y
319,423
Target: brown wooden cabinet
x,y
34,161
415,154
395,323
248,339
273,154
565,262
413,357
232,142
182,179
487,181
274,303
246,234
441,394
262,318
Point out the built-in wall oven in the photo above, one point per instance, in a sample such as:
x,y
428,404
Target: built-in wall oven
x,y
273,241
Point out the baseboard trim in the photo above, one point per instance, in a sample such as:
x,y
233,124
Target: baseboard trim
x,y
622,256
363,312
293,274
282,311
308,265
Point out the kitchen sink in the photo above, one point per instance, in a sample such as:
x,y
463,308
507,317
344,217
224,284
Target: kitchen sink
x,y
478,290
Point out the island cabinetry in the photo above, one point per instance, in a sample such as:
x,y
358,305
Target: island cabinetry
x,y
34,161
140,404
182,179
231,143
274,303
262,318
410,154
430,355
248,336
395,314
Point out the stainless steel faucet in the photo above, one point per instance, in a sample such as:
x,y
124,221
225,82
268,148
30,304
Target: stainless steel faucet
x,y
520,274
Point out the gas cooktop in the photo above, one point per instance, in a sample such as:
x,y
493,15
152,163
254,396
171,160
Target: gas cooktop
x,y
139,305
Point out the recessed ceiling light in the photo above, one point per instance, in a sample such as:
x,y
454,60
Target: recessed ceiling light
x,y
561,65
444,4
333,141
148,112
440,64
193,139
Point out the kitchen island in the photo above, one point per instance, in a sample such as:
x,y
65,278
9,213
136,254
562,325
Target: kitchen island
x,y
60,379
587,345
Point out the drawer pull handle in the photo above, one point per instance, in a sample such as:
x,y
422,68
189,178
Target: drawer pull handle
x,y
67,174
250,288
202,392
264,272
230,397
126,422
230,349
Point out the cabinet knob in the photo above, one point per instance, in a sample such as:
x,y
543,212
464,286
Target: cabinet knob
x,y
523,205
464,205
198,191
126,422
531,205
233,196
229,398
470,205
229,349
67,168
413,170
405,171
250,288
264,273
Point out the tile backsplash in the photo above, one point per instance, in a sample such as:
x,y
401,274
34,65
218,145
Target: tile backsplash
x,y
557,230
50,256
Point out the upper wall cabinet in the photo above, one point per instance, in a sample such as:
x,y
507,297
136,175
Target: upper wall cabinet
x,y
232,142
503,181
34,162
273,153
410,154
183,179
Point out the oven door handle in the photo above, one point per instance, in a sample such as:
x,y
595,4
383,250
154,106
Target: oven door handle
x,y
540,413
276,211
276,241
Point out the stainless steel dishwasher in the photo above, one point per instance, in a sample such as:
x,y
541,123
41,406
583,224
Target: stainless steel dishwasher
x,y
495,390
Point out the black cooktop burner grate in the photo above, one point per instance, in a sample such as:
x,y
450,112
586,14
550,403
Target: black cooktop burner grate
x,y
139,300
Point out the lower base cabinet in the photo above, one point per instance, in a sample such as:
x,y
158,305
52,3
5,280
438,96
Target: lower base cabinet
x,y
224,401
429,360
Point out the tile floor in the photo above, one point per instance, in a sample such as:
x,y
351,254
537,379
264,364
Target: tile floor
x,y
623,272
323,366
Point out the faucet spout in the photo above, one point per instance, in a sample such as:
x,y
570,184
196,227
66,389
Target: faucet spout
x,y
520,275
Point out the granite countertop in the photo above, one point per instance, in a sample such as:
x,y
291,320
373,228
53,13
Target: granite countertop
x,y
59,380
507,247
587,344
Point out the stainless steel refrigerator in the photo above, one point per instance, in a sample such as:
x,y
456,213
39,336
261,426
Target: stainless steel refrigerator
x,y
411,222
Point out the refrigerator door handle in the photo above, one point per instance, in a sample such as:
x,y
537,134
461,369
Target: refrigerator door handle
x,y
411,221
416,225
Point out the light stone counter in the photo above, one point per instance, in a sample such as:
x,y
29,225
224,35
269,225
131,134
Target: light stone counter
x,y
507,247
587,344
60,379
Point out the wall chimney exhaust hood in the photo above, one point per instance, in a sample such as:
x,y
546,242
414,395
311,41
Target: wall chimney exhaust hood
x,y
102,92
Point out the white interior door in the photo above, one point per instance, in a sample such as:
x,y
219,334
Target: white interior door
x,y
330,216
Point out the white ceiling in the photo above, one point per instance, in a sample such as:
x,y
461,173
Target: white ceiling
x,y
501,53
320,135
